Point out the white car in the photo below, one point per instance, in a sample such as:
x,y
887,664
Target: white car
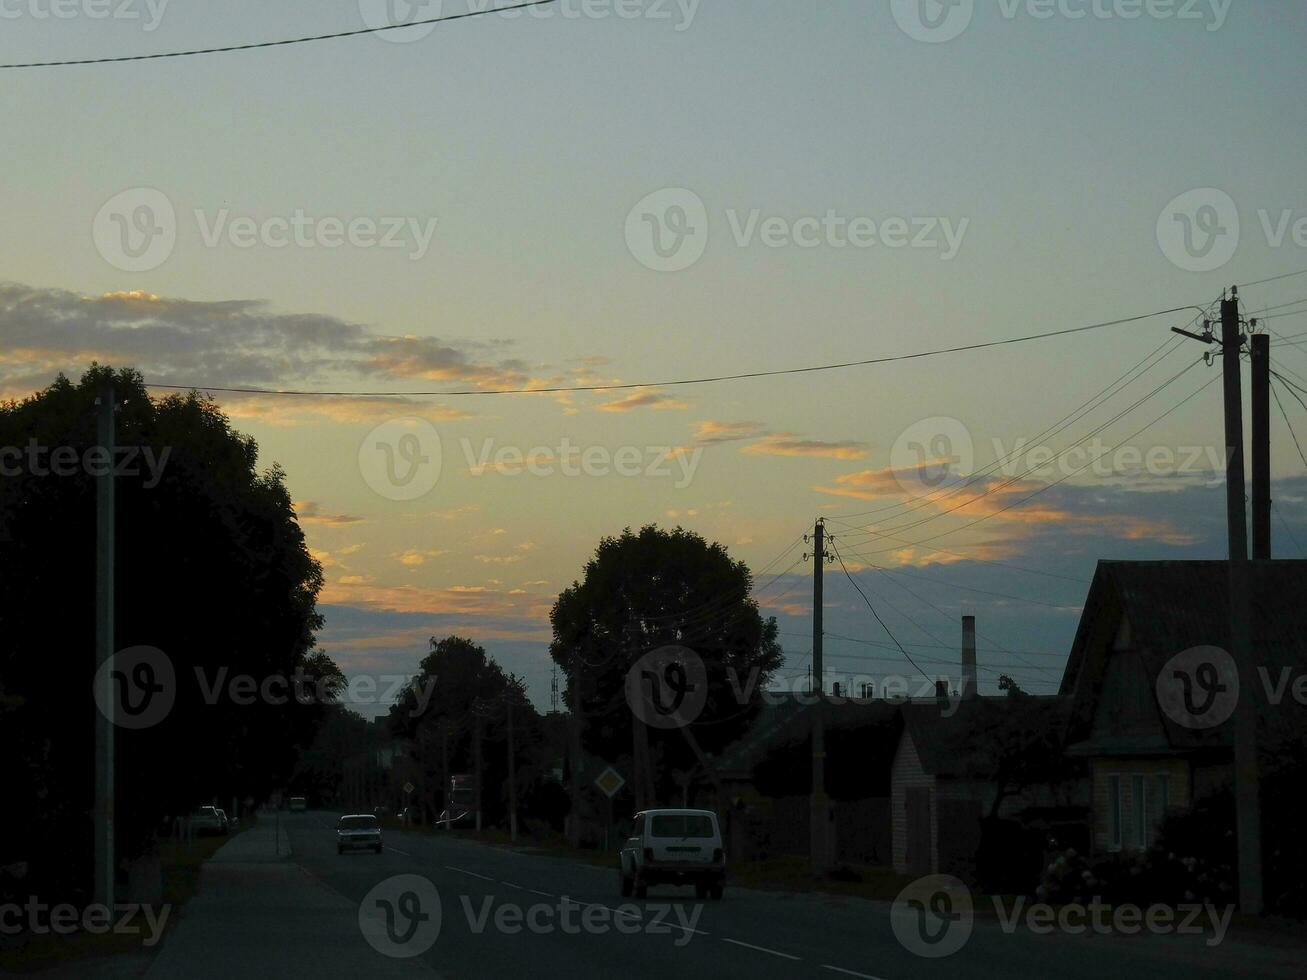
x,y
205,820
358,830
674,847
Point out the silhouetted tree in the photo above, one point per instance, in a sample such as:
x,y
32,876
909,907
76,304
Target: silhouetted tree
x,y
212,569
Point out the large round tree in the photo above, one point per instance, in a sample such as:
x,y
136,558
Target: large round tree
x,y
645,591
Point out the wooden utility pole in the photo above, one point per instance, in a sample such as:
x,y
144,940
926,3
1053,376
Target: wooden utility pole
x,y
1261,361
446,808
818,816
104,649
1246,774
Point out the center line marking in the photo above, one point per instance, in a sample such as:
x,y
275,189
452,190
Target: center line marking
x,y
761,949
398,851
536,891
851,973
464,871
511,885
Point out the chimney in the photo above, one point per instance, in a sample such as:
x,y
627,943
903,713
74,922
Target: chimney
x,y
941,690
968,689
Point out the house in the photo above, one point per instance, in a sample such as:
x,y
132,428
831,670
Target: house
x,y
961,760
1146,758
765,778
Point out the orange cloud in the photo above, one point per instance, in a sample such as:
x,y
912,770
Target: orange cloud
x,y
642,399
310,512
784,444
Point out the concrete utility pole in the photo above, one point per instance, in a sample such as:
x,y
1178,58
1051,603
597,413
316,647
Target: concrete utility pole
x,y
574,747
476,763
104,650
1261,360
512,766
446,807
818,843
1247,777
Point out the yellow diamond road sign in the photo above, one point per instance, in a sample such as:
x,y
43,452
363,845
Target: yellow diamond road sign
x,y
610,781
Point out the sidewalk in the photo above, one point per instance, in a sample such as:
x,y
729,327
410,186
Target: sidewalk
x,y
259,915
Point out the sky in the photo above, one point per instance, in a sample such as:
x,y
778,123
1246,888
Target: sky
x,y
638,191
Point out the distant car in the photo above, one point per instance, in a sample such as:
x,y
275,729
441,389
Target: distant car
x,y
358,830
298,803
222,815
674,847
206,821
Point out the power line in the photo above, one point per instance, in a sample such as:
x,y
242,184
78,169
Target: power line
x,y
283,43
563,389
877,615
1078,469
1263,282
1296,443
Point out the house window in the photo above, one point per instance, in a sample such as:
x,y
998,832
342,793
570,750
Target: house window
x,y
1139,810
1161,799
1114,811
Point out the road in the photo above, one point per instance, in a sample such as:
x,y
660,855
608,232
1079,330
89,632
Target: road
x,y
504,913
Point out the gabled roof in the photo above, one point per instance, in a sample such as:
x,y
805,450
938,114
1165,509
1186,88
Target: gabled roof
x,y
1171,606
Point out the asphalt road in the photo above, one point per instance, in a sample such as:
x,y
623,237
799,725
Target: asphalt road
x,y
502,913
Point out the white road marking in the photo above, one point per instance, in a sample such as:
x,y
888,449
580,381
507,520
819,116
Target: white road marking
x,y
398,851
511,885
851,973
464,871
761,949
535,891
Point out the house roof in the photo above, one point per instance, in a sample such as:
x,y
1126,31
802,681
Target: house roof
x,y
960,739
1171,606
787,716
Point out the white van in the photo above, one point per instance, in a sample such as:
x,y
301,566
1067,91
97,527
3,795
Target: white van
x,y
674,847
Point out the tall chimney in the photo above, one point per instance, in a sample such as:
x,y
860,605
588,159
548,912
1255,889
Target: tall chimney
x,y
968,689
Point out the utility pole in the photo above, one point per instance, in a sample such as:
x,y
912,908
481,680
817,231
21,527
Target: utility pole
x,y
574,749
104,651
1246,775
512,765
444,773
476,763
818,816
1261,360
